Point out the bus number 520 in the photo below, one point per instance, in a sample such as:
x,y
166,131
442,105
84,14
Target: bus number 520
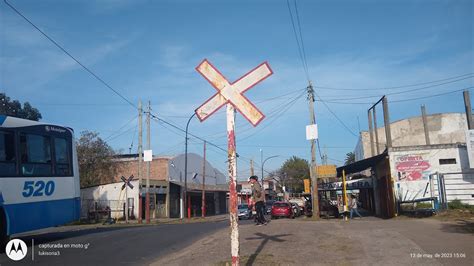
x,y
38,188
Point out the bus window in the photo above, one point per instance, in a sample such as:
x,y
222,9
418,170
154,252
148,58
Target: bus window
x,y
35,153
62,157
7,154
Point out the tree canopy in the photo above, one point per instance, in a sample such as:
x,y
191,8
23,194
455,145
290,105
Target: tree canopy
x,y
350,158
14,108
96,164
293,172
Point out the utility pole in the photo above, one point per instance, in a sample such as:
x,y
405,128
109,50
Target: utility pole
x,y
140,159
467,105
425,125
376,132
261,164
372,148
312,170
252,172
148,146
204,183
386,121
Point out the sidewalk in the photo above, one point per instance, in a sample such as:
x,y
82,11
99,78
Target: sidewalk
x,y
369,241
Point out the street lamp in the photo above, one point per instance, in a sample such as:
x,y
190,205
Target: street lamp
x,y
264,161
186,165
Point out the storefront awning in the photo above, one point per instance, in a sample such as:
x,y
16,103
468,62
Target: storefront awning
x,y
362,165
351,184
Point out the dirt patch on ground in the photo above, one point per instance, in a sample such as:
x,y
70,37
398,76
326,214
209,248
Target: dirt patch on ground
x,y
369,241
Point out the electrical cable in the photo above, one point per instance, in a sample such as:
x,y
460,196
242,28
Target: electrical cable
x,y
393,87
71,56
401,92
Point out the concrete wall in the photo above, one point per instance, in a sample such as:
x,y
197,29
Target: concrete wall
x,y
110,195
411,167
443,128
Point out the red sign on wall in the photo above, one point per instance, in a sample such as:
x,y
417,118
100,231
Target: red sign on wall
x,y
411,167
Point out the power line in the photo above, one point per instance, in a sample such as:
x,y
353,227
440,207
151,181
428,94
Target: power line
x,y
393,87
277,110
277,115
71,56
403,92
301,39
120,129
397,101
121,134
298,41
133,138
430,96
334,114
155,117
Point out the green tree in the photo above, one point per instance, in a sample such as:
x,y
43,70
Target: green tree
x,y
13,108
350,158
293,172
95,157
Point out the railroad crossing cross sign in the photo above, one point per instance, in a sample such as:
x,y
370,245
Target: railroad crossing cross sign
x,y
127,182
232,92
232,95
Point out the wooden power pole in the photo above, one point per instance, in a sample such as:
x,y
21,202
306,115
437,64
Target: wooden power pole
x,y
425,125
312,171
252,171
148,147
140,160
467,105
203,207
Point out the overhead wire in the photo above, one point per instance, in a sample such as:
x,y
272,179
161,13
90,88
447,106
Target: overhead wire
x,y
298,41
402,92
398,101
393,87
71,56
118,131
96,76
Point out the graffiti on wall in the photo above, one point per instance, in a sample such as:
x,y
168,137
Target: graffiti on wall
x,y
412,167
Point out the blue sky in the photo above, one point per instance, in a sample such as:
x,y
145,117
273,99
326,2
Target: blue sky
x,y
148,50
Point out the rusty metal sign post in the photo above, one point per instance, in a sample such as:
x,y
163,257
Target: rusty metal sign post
x,y
232,95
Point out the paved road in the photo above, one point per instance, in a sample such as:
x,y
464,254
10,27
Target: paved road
x,y
117,245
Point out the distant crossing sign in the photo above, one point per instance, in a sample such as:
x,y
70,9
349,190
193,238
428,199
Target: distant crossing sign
x,y
127,182
232,92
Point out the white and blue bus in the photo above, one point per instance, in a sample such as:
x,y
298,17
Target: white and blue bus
x,y
39,176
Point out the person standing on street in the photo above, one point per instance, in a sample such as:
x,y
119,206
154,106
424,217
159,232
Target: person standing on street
x,y
353,206
258,199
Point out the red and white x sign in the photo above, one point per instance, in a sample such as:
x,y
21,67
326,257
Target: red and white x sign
x,y
232,92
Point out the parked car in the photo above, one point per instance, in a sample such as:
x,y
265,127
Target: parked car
x,y
299,201
282,209
328,208
244,212
268,206
296,209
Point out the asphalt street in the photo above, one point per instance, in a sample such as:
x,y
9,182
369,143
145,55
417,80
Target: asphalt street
x,y
116,245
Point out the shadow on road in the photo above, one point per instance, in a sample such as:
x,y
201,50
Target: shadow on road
x,y
265,239
460,226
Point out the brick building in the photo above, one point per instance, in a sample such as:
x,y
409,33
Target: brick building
x,y
166,187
